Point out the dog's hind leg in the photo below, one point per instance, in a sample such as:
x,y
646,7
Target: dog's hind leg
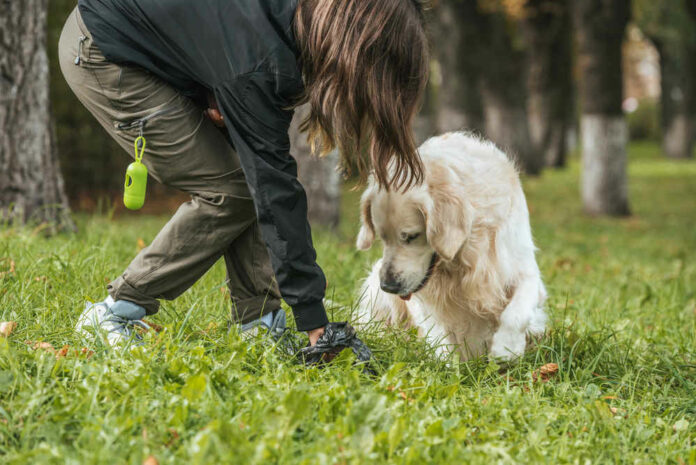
x,y
523,314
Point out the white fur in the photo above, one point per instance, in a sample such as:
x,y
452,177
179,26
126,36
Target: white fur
x,y
485,294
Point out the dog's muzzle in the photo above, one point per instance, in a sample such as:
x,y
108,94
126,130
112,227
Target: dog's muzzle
x,y
433,263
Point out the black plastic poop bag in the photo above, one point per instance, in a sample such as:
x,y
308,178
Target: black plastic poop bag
x,y
336,338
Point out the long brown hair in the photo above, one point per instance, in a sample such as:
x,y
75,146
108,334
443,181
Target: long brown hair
x,y
365,65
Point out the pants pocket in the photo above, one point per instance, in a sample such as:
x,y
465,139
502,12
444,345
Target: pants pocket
x,y
84,67
87,50
137,126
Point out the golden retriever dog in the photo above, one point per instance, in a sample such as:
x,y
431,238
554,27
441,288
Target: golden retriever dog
x,y
458,259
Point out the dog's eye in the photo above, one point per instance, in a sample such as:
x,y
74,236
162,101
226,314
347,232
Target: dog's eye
x,y
411,237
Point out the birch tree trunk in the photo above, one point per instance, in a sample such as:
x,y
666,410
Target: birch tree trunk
x,y
547,30
31,185
600,27
319,176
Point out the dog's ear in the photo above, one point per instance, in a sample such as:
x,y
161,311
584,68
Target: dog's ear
x,y
448,218
366,236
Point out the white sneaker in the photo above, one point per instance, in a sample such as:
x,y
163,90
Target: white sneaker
x,y
116,320
272,323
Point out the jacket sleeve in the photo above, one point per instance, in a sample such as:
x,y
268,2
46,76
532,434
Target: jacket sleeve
x,y
258,120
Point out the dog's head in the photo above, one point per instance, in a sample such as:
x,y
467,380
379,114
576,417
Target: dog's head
x,y
419,228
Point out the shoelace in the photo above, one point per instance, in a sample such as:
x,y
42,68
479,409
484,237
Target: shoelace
x,y
126,326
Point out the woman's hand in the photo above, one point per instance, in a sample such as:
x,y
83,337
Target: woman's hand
x,y
213,112
314,335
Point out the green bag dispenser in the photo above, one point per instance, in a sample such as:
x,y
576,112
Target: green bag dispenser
x,y
136,179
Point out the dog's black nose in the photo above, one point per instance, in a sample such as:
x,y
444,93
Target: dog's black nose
x,y
392,287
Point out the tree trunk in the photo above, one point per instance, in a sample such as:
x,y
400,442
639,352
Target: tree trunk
x,y
425,123
604,187
454,30
600,26
507,125
31,185
547,30
678,100
319,176
503,89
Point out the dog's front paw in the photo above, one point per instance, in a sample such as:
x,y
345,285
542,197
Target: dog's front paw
x,y
508,345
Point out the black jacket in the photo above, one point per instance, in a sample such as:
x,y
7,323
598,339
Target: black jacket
x,y
244,52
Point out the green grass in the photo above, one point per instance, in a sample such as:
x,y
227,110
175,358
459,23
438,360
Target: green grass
x,y
622,330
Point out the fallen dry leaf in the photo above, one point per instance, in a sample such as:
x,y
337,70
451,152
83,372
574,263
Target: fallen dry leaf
x,y
40,345
6,328
44,346
11,270
155,327
545,372
63,352
87,352
151,460
564,263
141,244
174,436
549,369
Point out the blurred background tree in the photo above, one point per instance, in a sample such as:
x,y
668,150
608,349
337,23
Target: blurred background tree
x,y
671,26
31,184
92,162
548,34
319,176
599,28
524,73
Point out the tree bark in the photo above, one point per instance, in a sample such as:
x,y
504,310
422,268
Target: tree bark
x,y
425,123
454,30
319,176
31,185
600,27
502,85
678,99
547,30
677,109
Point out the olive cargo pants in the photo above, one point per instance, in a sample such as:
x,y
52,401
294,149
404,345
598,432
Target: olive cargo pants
x,y
185,151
